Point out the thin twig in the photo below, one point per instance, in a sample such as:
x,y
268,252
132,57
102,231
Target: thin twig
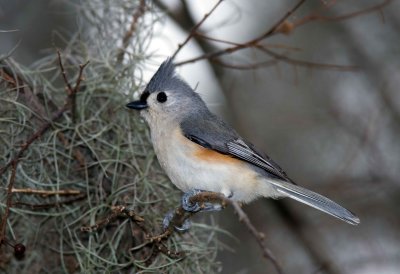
x,y
303,63
71,91
318,17
195,28
64,74
46,192
281,26
245,66
275,28
139,12
116,211
271,31
260,237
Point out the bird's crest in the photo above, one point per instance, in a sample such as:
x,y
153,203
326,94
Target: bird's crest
x,y
164,78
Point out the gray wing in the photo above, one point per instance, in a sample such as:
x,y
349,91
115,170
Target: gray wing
x,y
212,133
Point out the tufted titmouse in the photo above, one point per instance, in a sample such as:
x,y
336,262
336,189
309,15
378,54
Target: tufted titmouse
x,y
200,152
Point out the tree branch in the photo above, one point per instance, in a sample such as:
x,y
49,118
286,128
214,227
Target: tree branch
x,y
281,26
139,12
195,28
179,217
259,236
36,135
271,31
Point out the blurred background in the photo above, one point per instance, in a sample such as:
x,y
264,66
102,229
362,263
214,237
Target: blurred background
x,y
334,130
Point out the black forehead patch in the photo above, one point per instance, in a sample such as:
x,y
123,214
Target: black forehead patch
x,y
144,96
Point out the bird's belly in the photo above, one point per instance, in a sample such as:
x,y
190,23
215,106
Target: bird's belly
x,y
190,166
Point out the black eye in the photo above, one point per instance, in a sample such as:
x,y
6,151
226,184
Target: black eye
x,y
161,97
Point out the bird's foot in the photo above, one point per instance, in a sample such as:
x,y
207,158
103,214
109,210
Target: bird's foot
x,y
195,207
167,220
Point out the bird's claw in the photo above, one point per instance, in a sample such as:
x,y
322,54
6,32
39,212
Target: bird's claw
x,y
167,220
196,207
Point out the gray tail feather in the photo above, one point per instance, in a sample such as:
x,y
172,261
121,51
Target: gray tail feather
x,y
315,200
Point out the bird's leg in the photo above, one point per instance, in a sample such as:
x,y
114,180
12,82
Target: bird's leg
x,y
167,219
195,207
190,207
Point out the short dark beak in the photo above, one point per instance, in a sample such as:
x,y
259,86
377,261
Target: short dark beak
x,y
138,105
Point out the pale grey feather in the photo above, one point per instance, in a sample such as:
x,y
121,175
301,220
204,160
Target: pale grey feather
x,y
315,200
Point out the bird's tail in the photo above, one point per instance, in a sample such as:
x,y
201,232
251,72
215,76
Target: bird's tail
x,y
315,200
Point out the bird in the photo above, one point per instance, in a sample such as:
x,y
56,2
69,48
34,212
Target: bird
x,y
200,152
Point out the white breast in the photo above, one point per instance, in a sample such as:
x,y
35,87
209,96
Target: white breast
x,y
190,166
